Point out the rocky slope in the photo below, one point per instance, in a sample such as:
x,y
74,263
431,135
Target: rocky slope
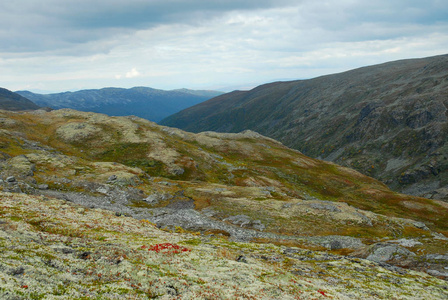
x,y
144,102
13,101
79,192
389,121
54,249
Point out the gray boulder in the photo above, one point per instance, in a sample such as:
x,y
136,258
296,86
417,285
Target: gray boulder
x,y
385,252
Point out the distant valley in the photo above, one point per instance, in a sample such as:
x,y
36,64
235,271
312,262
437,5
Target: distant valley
x,y
144,102
389,121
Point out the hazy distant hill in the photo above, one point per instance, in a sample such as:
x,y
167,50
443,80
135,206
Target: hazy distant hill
x,y
13,101
148,103
388,121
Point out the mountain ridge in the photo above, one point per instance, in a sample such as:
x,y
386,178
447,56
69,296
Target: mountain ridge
x,y
149,103
392,116
14,101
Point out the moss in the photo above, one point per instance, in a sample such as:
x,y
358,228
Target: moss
x,y
193,242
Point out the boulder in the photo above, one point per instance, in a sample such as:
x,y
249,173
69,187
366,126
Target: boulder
x,y
334,242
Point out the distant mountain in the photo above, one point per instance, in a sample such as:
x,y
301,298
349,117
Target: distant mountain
x,y
389,121
13,101
144,102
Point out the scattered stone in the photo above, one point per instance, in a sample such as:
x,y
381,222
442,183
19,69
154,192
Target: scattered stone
x,y
103,190
42,186
384,252
241,220
437,257
112,178
242,259
156,198
85,255
256,224
325,206
439,236
420,225
166,183
287,205
407,242
266,193
245,221
64,181
181,204
65,250
17,271
177,171
437,273
334,242
10,179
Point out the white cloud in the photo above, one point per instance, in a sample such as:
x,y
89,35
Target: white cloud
x,y
133,73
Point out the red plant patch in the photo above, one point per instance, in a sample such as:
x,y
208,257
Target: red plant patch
x,y
166,248
322,292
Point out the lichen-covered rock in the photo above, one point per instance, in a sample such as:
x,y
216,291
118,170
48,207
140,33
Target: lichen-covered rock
x,y
387,252
54,249
21,166
77,132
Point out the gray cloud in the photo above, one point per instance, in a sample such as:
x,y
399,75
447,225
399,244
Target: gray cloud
x,y
31,26
51,25
61,45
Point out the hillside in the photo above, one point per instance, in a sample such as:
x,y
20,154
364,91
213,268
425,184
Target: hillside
x,y
13,101
388,121
258,211
54,249
148,103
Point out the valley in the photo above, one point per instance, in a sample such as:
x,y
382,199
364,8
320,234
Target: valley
x,y
388,121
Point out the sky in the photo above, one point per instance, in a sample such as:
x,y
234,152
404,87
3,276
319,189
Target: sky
x,y
67,45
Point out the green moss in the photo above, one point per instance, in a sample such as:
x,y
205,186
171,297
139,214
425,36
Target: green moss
x,y
193,242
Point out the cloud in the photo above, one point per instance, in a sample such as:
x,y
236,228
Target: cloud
x,y
196,43
133,73
49,25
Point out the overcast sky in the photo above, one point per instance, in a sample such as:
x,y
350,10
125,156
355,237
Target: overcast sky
x,y
61,45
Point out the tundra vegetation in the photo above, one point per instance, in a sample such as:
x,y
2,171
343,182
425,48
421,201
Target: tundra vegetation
x,y
121,208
